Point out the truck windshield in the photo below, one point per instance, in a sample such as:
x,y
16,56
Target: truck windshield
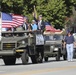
x,y
57,37
53,37
48,38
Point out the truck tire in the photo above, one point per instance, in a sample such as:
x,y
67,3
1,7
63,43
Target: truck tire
x,y
24,57
46,59
9,60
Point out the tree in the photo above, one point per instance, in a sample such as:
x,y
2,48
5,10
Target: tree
x,y
69,5
12,6
53,11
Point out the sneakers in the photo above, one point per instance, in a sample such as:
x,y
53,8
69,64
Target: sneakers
x,y
70,60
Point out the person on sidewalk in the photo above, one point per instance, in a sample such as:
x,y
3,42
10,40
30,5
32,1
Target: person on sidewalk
x,y
69,41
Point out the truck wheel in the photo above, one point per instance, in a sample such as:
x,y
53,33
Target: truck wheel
x,y
24,58
33,59
46,59
9,60
58,57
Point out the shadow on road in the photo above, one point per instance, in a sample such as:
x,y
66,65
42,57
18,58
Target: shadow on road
x,y
51,60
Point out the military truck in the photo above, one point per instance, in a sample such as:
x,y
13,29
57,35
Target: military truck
x,y
18,44
53,46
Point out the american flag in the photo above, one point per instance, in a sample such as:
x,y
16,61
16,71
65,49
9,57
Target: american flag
x,y
50,28
17,20
9,20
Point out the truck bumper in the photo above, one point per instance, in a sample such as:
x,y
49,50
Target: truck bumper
x,y
6,53
50,54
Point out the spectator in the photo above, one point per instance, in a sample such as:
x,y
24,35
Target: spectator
x,y
69,40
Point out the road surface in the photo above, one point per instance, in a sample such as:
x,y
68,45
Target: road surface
x,y
51,67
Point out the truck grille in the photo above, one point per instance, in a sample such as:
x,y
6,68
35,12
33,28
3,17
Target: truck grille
x,y
8,46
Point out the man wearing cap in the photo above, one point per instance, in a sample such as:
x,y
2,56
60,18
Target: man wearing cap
x,y
69,41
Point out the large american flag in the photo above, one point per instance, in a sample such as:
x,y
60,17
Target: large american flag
x,y
10,20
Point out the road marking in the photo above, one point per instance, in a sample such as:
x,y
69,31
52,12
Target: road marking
x,y
42,71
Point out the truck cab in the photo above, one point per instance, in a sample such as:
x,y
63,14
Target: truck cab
x,y
14,45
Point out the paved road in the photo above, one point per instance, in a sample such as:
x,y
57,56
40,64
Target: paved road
x,y
51,67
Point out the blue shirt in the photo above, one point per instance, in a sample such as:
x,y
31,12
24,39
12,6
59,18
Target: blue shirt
x,y
34,27
69,39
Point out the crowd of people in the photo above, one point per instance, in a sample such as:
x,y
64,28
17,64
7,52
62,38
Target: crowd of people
x,y
35,25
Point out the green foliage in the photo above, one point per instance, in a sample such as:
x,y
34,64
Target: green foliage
x,y
53,11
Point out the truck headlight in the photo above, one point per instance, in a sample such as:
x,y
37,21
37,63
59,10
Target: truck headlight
x,y
55,49
51,47
23,42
